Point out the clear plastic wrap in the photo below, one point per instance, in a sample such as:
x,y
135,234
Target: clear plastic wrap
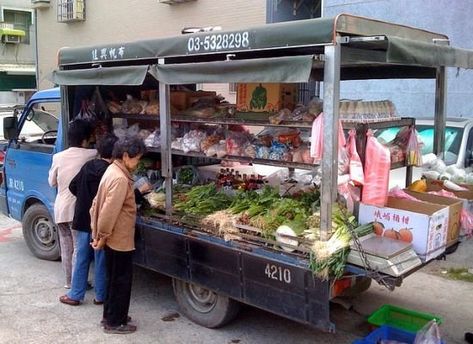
x,y
355,165
192,140
429,334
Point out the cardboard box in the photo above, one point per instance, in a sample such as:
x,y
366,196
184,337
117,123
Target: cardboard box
x,y
455,206
182,100
423,224
466,196
266,97
179,99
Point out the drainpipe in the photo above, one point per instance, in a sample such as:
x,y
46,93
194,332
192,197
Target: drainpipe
x,y
36,47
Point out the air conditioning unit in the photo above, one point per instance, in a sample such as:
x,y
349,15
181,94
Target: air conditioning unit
x,y
40,4
15,39
173,2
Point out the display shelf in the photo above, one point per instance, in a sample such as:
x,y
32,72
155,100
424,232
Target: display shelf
x,y
244,159
241,121
137,117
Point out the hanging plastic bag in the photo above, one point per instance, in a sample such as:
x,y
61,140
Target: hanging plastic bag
x,y
377,167
429,334
413,149
356,167
350,195
317,139
85,112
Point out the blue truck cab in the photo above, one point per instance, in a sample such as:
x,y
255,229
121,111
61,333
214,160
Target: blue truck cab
x,y
33,138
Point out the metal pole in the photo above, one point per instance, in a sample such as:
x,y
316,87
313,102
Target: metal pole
x,y
165,129
440,105
330,150
64,91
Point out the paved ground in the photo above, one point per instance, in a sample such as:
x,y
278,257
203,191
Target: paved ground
x,y
30,311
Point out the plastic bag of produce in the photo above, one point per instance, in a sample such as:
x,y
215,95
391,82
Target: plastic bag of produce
x,y
429,334
355,167
192,140
413,149
236,142
133,130
377,166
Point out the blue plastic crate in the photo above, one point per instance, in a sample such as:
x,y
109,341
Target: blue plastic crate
x,y
387,333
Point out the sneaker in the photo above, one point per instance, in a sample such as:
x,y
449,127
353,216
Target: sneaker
x,y
67,286
122,329
98,303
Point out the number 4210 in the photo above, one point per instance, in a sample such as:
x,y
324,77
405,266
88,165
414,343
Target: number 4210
x,y
278,273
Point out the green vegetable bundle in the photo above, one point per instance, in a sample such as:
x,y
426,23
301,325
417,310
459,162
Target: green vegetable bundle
x,y
203,200
328,258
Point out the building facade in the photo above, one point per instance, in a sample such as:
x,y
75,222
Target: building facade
x,y
17,51
85,22
416,98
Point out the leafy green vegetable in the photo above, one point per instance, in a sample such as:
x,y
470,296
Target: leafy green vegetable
x,y
203,200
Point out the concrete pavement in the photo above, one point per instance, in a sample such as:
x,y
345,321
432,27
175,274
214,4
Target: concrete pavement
x,y
31,313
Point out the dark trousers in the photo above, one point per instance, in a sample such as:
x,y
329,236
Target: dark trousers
x,y
119,267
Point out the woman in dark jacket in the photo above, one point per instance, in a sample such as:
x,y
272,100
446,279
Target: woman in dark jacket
x,y
84,186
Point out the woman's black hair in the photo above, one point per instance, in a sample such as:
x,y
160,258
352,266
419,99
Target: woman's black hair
x,y
79,130
134,146
105,145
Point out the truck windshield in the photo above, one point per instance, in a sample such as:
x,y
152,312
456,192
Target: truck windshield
x,y
453,137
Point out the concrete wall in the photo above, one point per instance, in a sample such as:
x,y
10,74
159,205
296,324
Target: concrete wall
x,y
18,53
128,20
416,97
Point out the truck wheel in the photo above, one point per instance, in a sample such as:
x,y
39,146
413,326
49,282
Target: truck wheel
x,y
361,285
40,233
203,306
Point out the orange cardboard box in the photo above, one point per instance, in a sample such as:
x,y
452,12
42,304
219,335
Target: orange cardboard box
x,y
266,97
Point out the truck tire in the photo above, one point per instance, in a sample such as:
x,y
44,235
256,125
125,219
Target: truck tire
x,y
361,285
40,233
203,306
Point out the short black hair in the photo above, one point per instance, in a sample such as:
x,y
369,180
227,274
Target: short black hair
x,y
134,146
79,130
105,145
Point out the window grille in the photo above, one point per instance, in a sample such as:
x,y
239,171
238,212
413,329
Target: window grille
x,y
70,10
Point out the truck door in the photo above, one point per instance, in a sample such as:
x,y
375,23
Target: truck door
x,y
28,160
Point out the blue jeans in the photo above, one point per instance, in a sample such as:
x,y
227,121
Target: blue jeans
x,y
85,254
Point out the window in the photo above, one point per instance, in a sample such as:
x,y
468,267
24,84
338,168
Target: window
x,y
39,130
453,138
70,10
21,20
232,87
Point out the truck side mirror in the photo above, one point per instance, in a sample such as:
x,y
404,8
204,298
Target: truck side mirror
x,y
10,127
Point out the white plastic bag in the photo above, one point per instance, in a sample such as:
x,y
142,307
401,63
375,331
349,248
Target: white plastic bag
x,y
429,334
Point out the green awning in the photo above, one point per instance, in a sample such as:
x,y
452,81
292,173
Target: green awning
x,y
278,69
409,52
129,75
287,34
13,32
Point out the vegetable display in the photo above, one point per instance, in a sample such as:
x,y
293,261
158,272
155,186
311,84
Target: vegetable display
x,y
203,200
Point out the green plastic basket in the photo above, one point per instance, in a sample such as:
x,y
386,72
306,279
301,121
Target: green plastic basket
x,y
404,319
